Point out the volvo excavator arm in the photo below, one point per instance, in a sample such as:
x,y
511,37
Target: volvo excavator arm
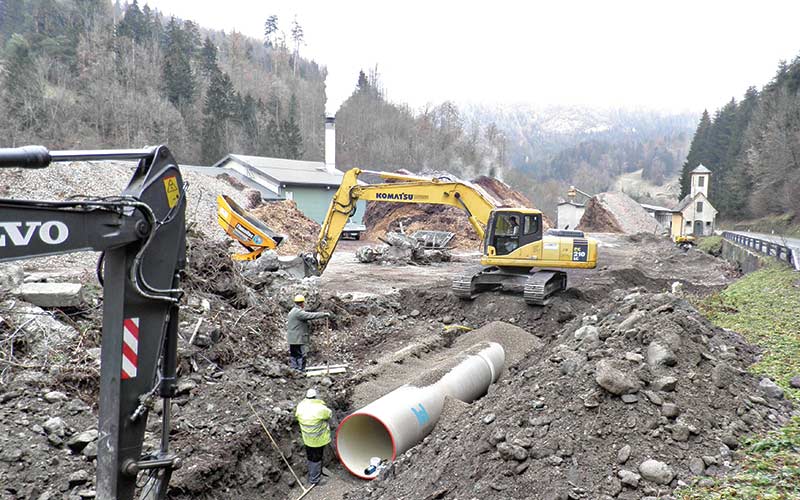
x,y
141,234
404,189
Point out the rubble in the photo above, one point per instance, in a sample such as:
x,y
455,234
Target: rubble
x,y
617,213
401,249
51,294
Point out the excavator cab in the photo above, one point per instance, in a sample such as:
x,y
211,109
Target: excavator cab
x,y
511,229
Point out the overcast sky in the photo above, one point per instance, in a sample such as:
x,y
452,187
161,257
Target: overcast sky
x,y
671,54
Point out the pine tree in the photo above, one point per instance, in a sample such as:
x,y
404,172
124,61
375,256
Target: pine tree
x,y
208,58
291,138
177,74
270,28
697,152
218,111
133,24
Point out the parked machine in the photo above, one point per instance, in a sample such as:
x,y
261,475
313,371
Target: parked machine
x,y
142,236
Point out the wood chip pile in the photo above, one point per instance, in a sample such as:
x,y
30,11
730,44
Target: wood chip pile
x,y
617,213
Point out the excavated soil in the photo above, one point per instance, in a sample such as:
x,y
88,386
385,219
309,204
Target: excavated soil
x,y
381,218
283,217
548,405
617,213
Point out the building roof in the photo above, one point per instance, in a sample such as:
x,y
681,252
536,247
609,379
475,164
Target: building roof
x,y
701,169
655,208
574,204
288,171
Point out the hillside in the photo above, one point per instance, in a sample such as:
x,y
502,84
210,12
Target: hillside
x,y
84,74
752,148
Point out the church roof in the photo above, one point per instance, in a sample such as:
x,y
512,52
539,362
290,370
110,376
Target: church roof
x,y
700,169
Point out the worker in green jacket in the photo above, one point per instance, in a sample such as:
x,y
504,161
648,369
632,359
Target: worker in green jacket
x,y
297,332
313,417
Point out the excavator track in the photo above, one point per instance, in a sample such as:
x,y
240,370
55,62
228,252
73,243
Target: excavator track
x,y
542,285
463,287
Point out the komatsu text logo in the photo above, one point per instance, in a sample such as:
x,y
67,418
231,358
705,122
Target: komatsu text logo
x,y
20,234
394,196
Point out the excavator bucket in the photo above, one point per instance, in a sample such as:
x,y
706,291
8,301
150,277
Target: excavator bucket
x,y
250,232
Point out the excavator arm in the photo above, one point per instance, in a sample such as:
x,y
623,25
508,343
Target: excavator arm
x,y
404,189
142,236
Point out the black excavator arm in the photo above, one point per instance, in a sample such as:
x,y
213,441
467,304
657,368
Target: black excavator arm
x,y
142,235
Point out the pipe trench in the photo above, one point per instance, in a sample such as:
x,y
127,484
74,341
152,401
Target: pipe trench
x,y
394,423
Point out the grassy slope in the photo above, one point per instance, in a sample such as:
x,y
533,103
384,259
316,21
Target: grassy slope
x,y
764,306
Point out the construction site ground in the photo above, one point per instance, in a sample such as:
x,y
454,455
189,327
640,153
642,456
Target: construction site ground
x,y
388,326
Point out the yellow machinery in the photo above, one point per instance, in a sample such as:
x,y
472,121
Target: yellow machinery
x,y
250,232
516,252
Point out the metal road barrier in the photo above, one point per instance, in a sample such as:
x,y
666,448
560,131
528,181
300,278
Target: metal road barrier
x,y
788,254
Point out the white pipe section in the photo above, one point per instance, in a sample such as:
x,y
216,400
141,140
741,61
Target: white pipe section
x,y
391,425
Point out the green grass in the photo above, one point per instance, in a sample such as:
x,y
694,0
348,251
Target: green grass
x,y
710,244
764,306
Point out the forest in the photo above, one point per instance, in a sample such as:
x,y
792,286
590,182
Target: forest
x,y
752,148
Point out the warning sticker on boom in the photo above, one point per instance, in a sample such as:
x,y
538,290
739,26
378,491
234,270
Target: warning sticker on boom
x,y
173,192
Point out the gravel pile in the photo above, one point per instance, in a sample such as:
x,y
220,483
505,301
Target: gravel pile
x,y
617,213
96,179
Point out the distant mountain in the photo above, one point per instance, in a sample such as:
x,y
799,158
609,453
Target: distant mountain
x,y
555,146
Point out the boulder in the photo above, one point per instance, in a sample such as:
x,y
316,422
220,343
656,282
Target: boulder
x,y
655,471
770,389
614,380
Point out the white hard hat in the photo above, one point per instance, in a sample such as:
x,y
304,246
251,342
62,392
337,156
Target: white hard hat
x,y
311,393
299,298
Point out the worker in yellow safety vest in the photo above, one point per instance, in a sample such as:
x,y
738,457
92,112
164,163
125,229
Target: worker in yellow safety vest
x,y
313,416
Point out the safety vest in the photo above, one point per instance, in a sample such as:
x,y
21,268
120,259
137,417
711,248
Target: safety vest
x,y
313,415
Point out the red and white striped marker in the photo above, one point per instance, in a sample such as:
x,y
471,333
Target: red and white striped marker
x,y
130,347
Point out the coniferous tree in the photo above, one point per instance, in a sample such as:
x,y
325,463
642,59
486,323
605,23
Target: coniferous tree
x,y
208,58
698,152
217,112
270,28
291,139
177,74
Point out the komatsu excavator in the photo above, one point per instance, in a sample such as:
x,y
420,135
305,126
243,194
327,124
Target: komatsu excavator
x,y
142,236
517,254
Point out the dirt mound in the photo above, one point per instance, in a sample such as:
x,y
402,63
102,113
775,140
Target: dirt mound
x,y
617,213
644,379
381,218
285,218
502,192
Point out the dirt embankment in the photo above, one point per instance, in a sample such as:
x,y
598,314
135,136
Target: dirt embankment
x,y
617,213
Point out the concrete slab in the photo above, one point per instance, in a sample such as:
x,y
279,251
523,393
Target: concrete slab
x,y
51,294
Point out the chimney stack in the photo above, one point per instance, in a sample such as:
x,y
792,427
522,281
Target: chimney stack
x,y
330,144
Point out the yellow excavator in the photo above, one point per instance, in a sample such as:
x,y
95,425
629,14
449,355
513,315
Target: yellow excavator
x,y
517,253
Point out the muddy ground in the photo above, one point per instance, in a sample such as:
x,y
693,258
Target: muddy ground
x,y
239,358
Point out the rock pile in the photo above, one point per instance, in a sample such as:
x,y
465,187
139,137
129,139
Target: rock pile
x,y
629,401
617,213
401,249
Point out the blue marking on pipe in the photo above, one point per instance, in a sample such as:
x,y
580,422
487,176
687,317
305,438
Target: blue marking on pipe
x,y
421,414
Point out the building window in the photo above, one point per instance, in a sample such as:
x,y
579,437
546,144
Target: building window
x,y
688,223
701,180
699,207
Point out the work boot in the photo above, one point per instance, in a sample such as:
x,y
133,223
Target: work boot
x,y
314,472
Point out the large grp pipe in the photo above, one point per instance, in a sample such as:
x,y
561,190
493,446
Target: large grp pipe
x,y
391,425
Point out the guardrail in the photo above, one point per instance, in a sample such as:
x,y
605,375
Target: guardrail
x,y
785,253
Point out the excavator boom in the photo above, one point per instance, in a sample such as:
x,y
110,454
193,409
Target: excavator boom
x,y
405,189
142,235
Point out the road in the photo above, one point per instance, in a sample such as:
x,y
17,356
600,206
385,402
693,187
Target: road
x,y
774,238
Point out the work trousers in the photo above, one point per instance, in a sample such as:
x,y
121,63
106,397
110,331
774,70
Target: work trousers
x,y
314,456
297,356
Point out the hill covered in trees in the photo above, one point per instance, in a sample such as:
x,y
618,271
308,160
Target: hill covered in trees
x,y
752,148
89,74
